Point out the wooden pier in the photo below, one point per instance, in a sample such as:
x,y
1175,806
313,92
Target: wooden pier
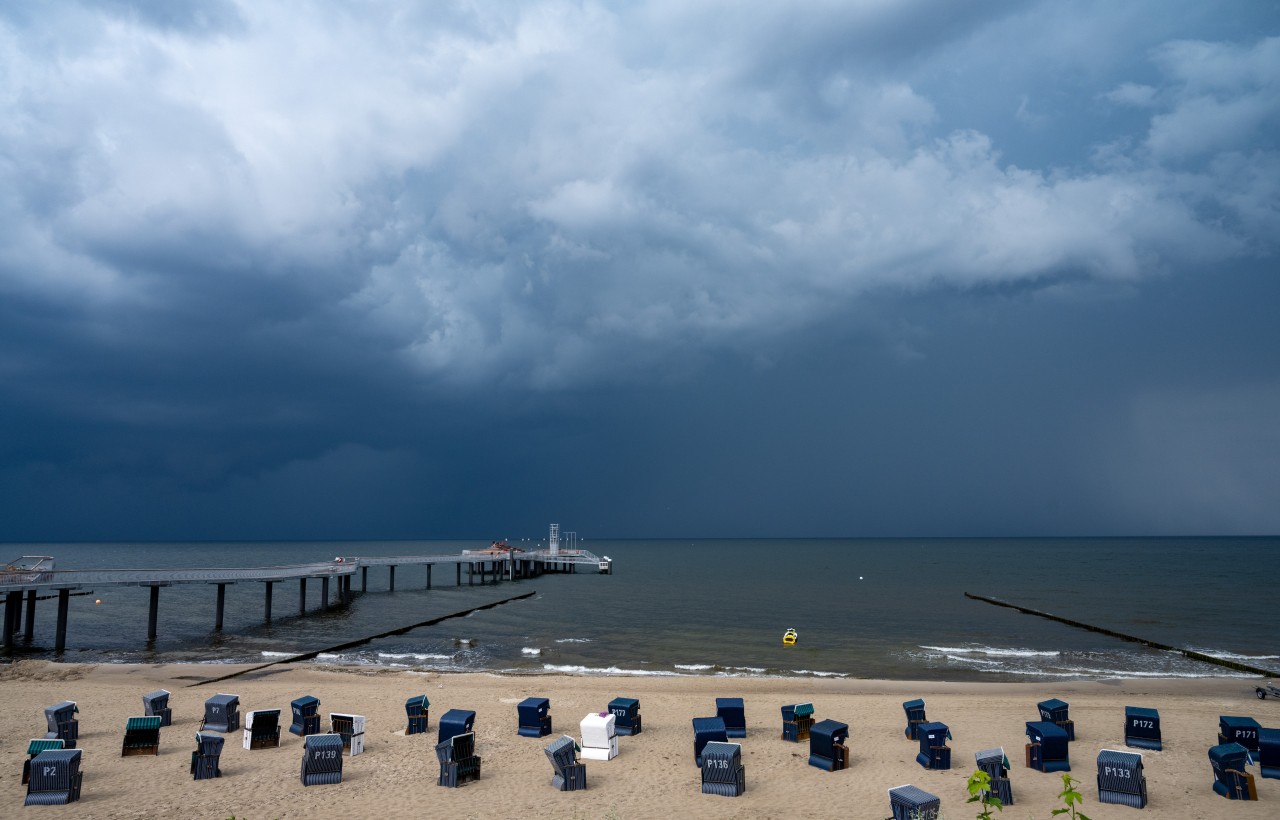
x,y
488,566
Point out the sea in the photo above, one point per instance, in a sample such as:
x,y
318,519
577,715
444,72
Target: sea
x,y
863,608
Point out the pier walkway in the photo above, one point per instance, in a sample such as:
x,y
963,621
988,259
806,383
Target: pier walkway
x,y
490,565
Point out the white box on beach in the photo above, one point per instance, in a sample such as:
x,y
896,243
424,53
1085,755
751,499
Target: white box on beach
x,y
599,737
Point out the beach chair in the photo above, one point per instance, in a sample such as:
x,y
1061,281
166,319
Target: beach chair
x,y
1142,728
1242,730
156,704
321,760
599,736
996,765
416,708
910,803
627,712
1268,756
915,716
205,758
306,716
827,749
570,775
1120,779
55,778
62,723
1269,753
797,719
706,730
221,713
722,769
734,714
1047,747
262,729
141,736
458,760
1055,711
456,722
351,729
1229,776
535,718
934,752
34,747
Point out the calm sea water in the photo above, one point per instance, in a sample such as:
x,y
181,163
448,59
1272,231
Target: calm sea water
x,y
863,608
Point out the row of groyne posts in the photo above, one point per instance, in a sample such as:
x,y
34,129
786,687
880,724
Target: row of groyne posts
x,y
482,566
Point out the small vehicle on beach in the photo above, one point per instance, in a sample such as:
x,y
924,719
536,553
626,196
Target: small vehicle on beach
x,y
28,569
1267,688
789,637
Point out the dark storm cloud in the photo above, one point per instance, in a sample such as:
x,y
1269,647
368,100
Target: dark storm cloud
x,y
255,251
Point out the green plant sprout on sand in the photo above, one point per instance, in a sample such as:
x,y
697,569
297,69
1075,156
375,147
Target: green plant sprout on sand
x,y
1070,797
979,786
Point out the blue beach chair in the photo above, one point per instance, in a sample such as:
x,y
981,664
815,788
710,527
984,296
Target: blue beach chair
x,y
1047,747
221,713
1055,711
55,778
734,714
1142,728
1242,730
205,758
1269,753
915,716
306,716
459,762
456,722
570,775
827,749
535,718
322,760
996,765
1120,779
706,730
416,708
1229,776
62,723
722,769
156,704
910,803
797,720
627,713
934,752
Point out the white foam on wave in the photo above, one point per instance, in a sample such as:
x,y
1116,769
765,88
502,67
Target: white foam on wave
x,y
1232,656
327,656
993,651
417,656
573,669
1082,672
530,650
817,674
266,653
979,661
694,667
573,640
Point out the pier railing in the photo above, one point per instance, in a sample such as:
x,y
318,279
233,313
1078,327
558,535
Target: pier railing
x,y
491,566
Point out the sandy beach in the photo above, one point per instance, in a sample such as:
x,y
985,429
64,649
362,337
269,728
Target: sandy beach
x,y
654,774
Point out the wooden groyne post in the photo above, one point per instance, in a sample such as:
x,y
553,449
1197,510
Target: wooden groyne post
x,y
1189,653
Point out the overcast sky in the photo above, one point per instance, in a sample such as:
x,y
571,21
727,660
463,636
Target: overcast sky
x,y
415,270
